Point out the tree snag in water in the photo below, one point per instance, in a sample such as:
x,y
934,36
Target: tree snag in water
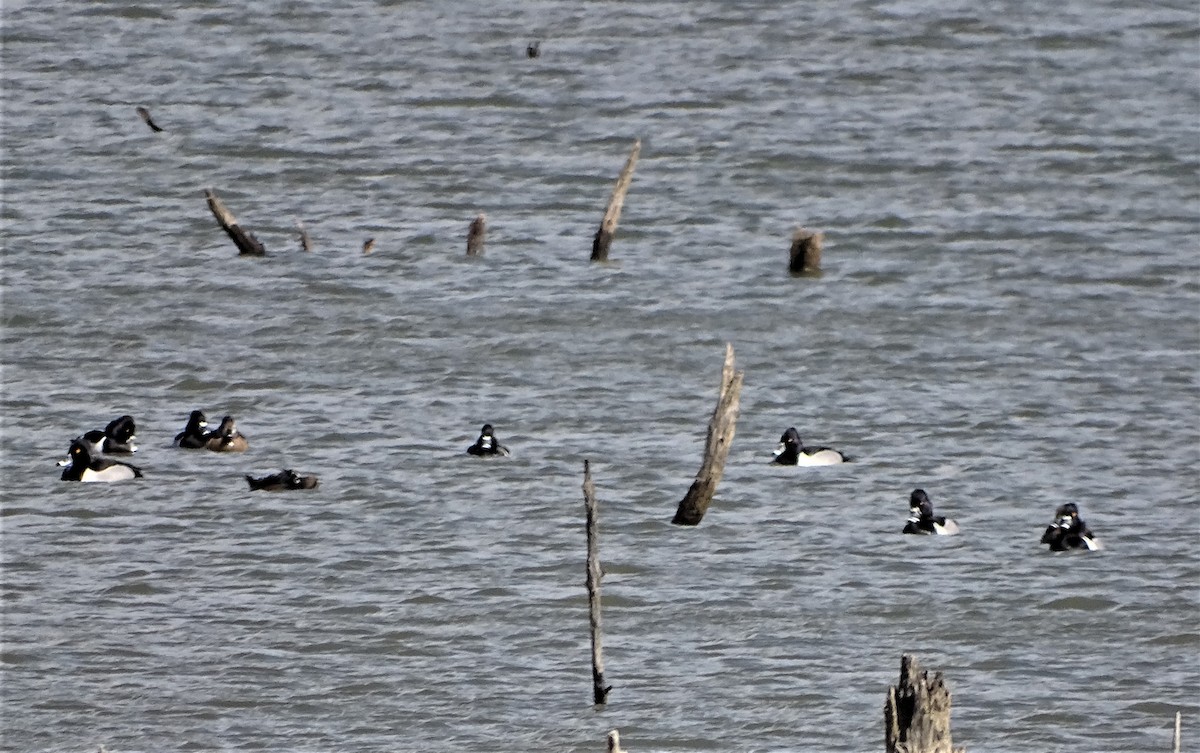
x,y
612,213
246,243
475,235
805,253
916,716
721,428
305,241
599,689
144,114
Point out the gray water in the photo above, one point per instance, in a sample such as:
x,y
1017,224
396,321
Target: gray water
x,y
1008,317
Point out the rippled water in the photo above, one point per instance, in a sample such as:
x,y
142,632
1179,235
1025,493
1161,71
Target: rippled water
x,y
1009,317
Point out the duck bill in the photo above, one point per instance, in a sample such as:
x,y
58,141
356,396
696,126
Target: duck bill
x,y
779,450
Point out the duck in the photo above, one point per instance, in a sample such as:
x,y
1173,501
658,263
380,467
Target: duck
x,y
921,519
119,436
285,480
226,438
487,444
791,451
87,467
193,436
1069,531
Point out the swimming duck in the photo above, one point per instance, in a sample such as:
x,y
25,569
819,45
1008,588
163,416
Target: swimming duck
x,y
88,467
193,436
285,480
791,451
119,436
921,519
226,438
487,444
1069,531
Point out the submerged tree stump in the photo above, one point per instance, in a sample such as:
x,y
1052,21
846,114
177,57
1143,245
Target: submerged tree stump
x,y
916,716
805,253
305,241
612,213
144,114
246,243
599,689
721,429
475,235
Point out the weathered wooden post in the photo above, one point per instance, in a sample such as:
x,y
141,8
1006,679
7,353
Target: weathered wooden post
x,y
805,253
246,243
599,689
1178,729
916,715
305,241
475,235
721,429
612,213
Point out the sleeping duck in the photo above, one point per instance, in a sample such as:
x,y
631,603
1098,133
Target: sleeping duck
x,y
921,519
1069,531
791,451
285,480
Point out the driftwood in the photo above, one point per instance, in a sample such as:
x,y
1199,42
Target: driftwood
x,y
599,689
721,429
475,235
246,243
612,213
916,716
805,253
305,241
368,246
144,114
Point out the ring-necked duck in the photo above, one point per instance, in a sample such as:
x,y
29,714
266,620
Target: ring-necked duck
x,y
285,480
791,451
487,444
922,520
87,467
226,438
193,436
119,436
1068,531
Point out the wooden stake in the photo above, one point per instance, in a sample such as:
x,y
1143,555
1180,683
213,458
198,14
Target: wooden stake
x,y
721,428
599,689
805,253
612,214
246,243
1178,729
475,235
305,241
916,715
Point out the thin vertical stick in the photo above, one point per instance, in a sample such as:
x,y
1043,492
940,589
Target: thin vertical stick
x,y
476,234
599,689
1178,729
305,241
246,243
612,213
721,429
